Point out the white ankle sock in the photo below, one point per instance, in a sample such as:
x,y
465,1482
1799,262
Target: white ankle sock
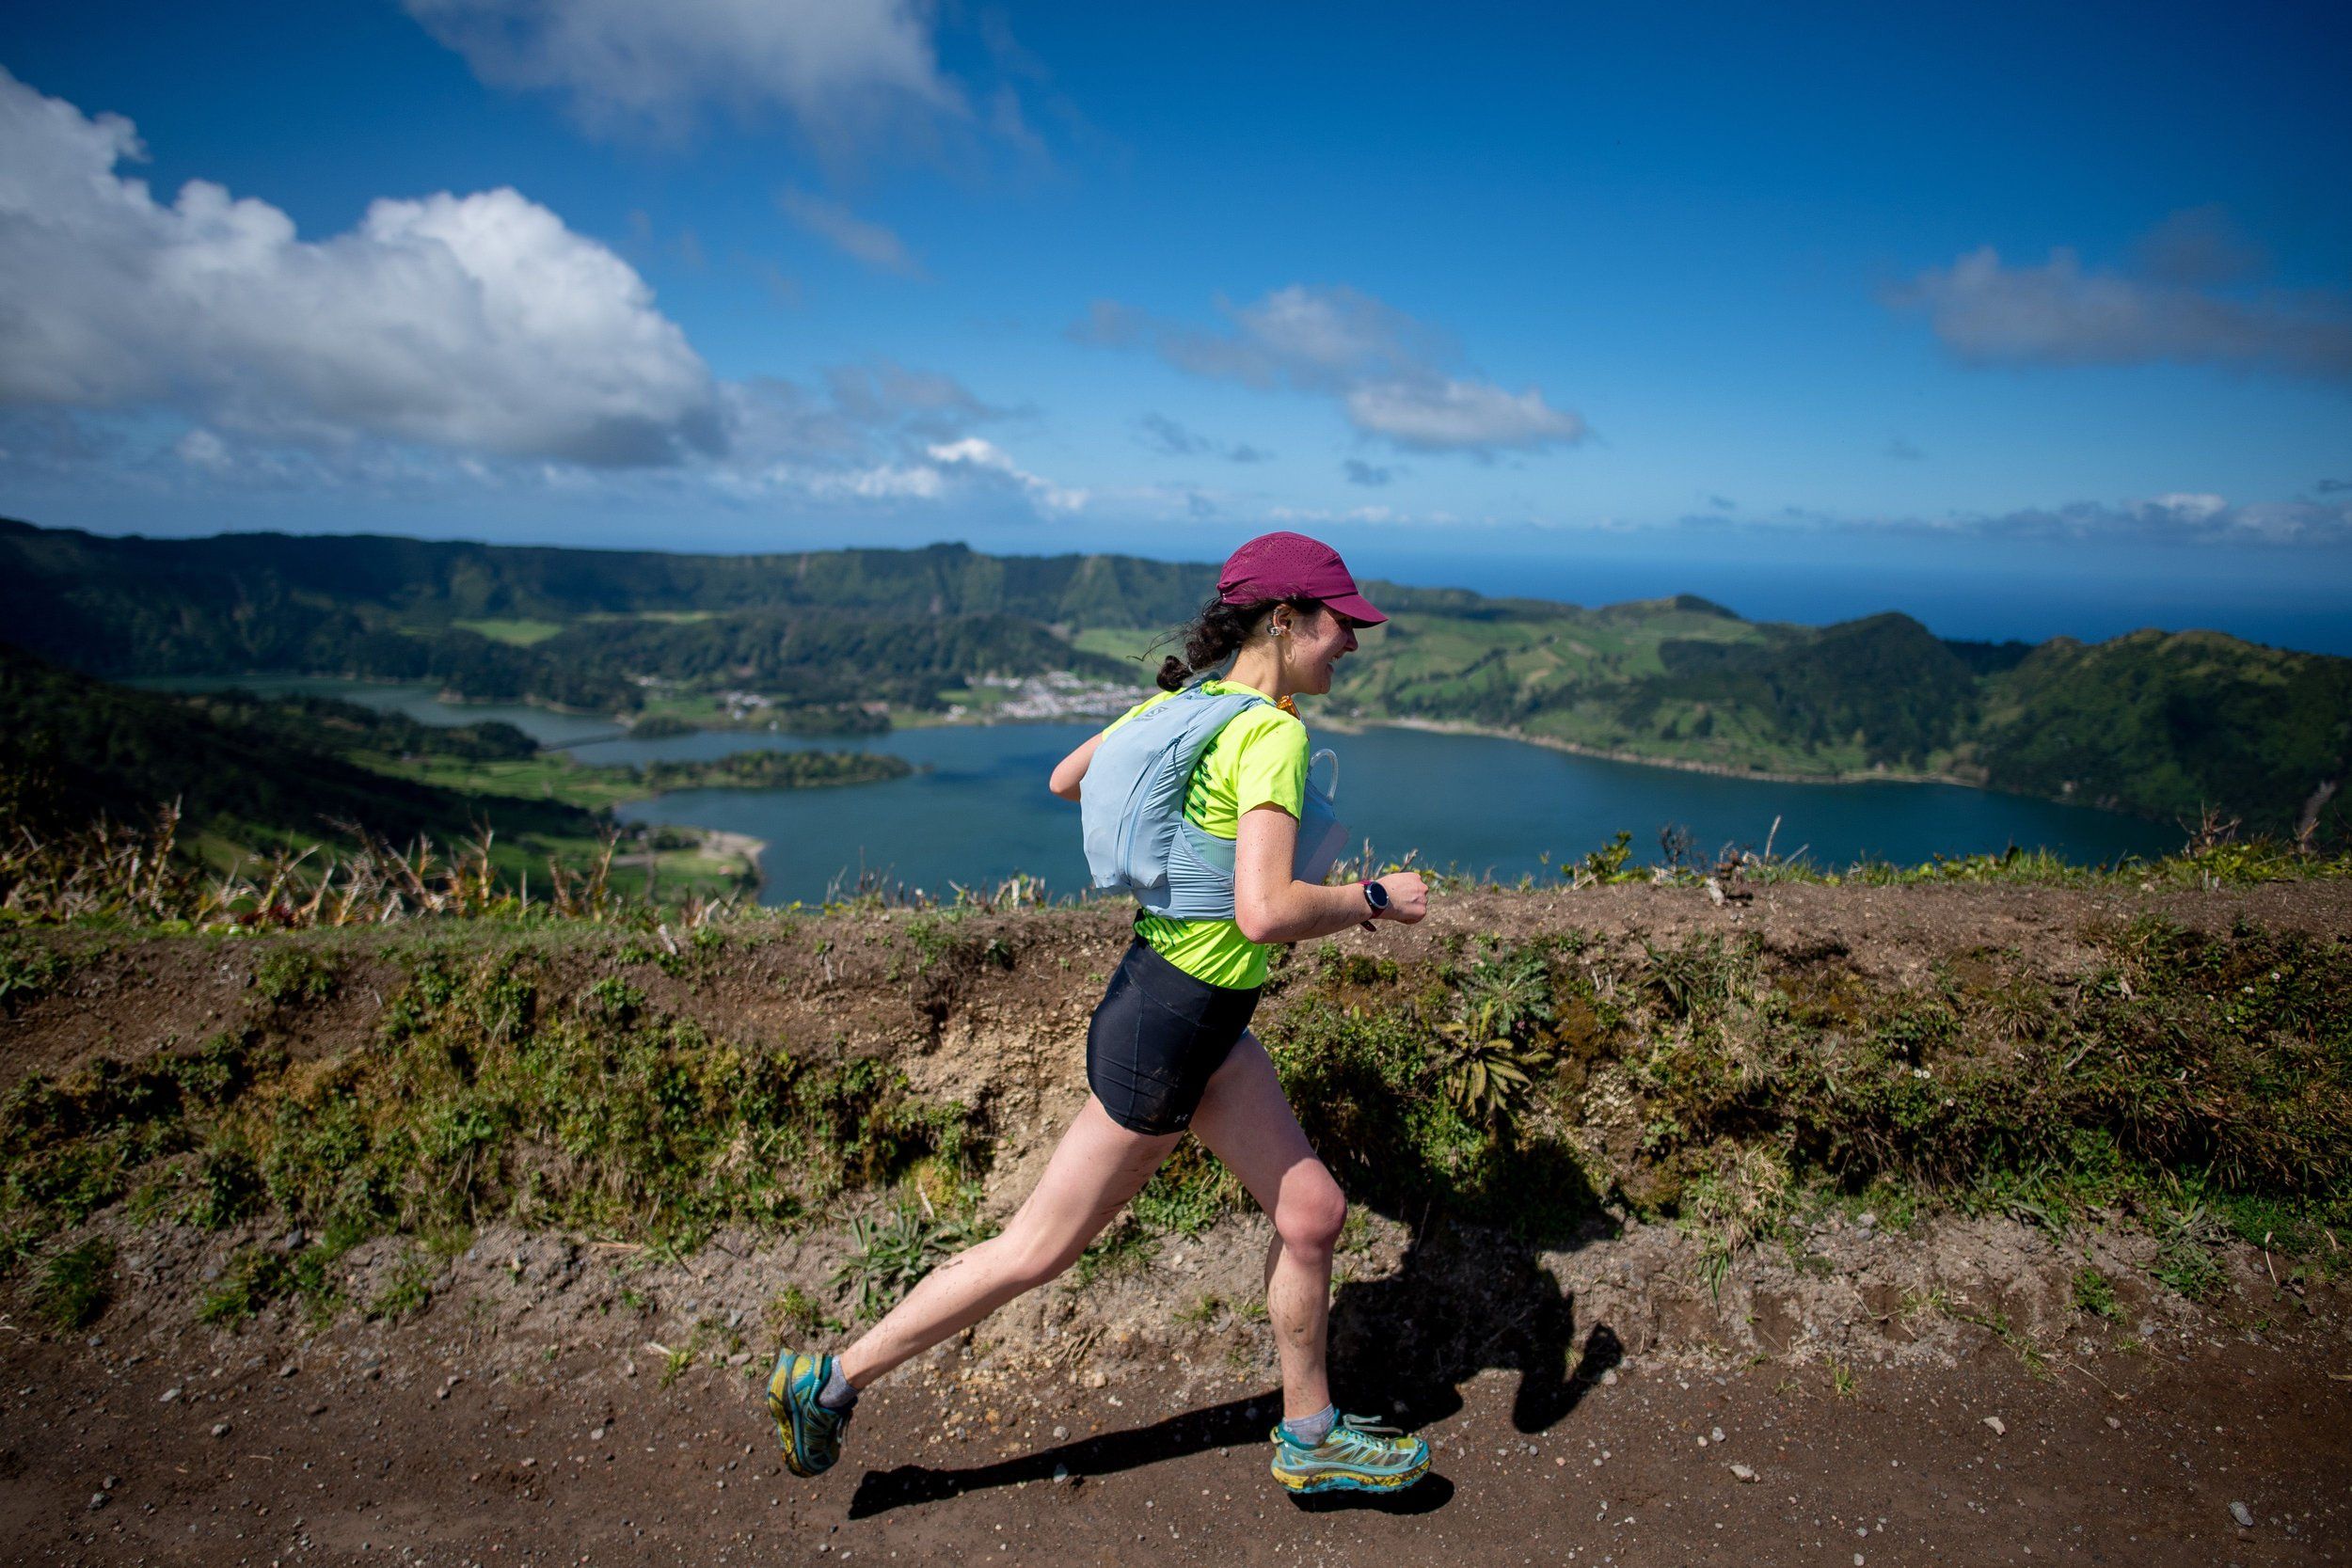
x,y
1309,1430
836,1395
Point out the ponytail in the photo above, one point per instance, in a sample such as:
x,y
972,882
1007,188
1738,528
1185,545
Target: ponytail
x,y
1216,635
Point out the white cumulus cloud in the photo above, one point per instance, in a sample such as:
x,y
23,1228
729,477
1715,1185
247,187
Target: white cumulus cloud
x,y
2189,507
474,324
976,457
2181,517
853,236
884,436
844,71
1459,416
2063,313
883,483
1394,377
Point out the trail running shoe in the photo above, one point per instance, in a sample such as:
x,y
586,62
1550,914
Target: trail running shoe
x,y
809,1433
1356,1456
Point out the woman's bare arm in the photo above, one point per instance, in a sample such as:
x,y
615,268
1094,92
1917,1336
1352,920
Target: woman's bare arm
x,y
1073,768
1270,905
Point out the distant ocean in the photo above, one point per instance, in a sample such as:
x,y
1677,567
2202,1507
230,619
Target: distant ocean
x,y
2283,599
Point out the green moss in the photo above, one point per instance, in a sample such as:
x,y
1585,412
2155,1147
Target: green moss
x,y
69,1149
792,1317
2186,1260
1202,1313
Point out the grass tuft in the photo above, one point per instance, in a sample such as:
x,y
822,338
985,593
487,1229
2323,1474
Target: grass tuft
x,y
28,972
2094,1293
254,1278
74,1284
892,1254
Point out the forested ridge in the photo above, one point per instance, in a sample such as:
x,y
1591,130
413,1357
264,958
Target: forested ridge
x,y
246,775
2161,725
72,748
428,582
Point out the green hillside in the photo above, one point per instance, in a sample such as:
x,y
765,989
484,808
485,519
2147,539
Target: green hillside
x,y
1691,684
245,773
252,775
815,658
172,592
2158,724
2170,718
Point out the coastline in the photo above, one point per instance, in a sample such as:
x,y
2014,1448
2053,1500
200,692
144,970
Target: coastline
x,y
1333,724
1441,726
1353,725
752,852
1494,732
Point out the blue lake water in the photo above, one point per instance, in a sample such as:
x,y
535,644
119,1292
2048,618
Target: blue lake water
x,y
977,809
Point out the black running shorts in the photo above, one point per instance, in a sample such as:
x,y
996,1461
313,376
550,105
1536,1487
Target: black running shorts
x,y
1156,1037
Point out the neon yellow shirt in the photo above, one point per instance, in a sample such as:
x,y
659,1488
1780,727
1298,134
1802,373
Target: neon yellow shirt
x,y
1258,758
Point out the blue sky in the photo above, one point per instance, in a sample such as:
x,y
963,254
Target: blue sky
x,y
2031,322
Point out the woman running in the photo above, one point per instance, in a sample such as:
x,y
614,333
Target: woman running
x,y
1169,1049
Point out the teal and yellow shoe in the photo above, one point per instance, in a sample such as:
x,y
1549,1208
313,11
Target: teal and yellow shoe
x,y
809,1433
1356,1456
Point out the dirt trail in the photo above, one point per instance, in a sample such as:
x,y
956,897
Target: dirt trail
x,y
529,1413
338,1452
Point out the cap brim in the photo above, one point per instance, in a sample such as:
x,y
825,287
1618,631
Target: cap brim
x,y
1356,608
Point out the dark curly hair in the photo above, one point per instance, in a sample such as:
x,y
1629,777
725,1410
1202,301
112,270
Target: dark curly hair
x,y
1216,634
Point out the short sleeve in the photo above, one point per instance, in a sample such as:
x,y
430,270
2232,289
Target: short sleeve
x,y
1269,761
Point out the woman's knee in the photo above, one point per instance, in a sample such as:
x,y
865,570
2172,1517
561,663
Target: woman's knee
x,y
1310,1211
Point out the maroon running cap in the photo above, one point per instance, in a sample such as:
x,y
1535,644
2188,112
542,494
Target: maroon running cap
x,y
1292,566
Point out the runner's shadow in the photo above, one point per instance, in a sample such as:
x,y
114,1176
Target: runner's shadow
x,y
1472,1293
1466,1300
1236,1423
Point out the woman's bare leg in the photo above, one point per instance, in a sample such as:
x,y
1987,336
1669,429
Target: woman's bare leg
x,y
1245,1123
1095,1169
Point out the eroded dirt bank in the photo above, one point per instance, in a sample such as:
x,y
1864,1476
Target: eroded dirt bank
x,y
554,1397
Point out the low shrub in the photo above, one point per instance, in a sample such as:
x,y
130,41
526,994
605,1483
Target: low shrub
x,y
291,976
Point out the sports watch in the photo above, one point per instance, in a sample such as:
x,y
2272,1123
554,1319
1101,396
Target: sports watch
x,y
1377,896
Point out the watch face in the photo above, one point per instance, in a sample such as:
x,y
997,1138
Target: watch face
x,y
1378,895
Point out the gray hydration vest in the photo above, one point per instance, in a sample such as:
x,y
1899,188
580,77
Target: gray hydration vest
x,y
1132,809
